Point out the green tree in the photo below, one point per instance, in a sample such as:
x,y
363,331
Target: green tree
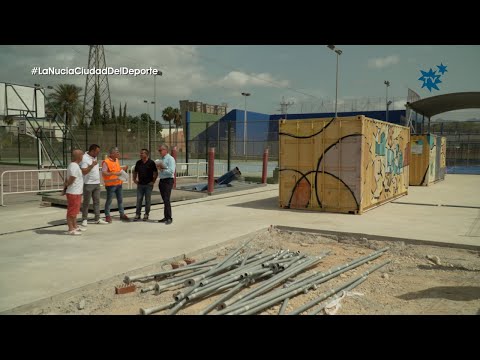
x,y
120,115
125,113
129,122
168,115
105,115
97,106
66,100
177,120
114,117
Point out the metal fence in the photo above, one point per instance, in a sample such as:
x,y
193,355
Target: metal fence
x,y
193,170
51,180
463,145
31,181
22,149
231,146
346,105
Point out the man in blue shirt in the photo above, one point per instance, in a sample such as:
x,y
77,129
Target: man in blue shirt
x,y
166,173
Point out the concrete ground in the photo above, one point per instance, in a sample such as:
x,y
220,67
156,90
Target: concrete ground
x,y
38,260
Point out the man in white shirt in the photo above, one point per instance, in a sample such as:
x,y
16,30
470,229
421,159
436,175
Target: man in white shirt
x,y
73,188
91,184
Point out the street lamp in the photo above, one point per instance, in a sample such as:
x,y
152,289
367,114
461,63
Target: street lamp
x,y
149,146
50,87
338,52
245,125
42,90
155,102
388,106
387,84
148,125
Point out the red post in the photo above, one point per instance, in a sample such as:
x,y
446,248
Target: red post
x,y
211,168
174,154
265,166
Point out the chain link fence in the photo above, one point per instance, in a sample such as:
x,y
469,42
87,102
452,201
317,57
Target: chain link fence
x,y
232,147
463,145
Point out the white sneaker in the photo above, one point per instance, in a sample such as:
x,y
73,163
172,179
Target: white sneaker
x,y
73,232
81,228
84,223
101,222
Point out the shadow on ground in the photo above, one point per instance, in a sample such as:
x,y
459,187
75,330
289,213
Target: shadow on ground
x,y
267,204
50,232
272,204
455,293
58,222
264,204
445,268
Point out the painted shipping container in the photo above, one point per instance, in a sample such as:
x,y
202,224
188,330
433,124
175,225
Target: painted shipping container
x,y
346,164
428,159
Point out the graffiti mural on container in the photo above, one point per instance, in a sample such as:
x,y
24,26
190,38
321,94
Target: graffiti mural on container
x,y
440,169
443,153
428,159
327,171
406,152
433,150
389,161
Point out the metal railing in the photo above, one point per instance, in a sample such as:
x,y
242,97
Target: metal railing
x,y
51,180
187,170
199,169
31,181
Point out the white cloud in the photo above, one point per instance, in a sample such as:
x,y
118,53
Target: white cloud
x,y
383,61
399,104
183,75
242,80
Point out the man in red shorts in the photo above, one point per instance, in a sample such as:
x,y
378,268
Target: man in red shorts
x,y
73,188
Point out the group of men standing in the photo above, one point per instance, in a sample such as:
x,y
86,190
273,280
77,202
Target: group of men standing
x,y
83,178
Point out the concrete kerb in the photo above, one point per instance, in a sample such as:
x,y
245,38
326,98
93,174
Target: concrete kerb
x,y
339,235
143,270
444,205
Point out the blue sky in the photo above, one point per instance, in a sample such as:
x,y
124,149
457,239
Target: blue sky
x,y
304,75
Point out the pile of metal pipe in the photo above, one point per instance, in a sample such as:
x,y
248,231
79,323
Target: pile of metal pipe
x,y
279,275
346,286
194,283
232,273
339,294
301,266
299,286
194,266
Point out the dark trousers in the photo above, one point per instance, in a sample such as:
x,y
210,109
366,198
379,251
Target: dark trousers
x,y
166,186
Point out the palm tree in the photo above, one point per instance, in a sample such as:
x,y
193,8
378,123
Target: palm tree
x,y
168,115
66,100
177,120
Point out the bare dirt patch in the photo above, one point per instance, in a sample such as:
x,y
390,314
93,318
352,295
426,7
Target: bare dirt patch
x,y
419,280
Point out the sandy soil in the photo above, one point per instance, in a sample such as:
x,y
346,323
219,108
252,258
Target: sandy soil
x,y
447,283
